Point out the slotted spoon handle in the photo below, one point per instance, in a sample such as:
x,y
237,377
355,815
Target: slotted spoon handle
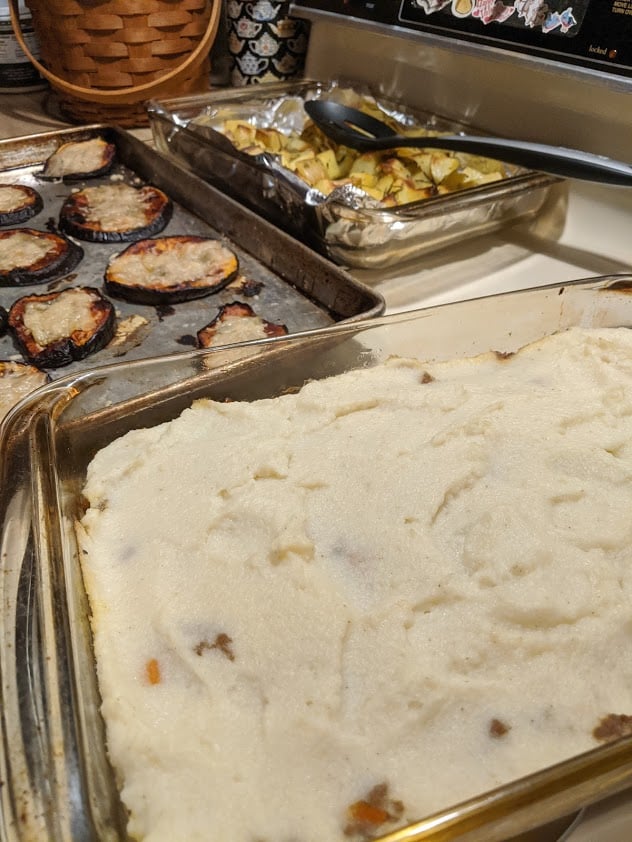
x,y
353,128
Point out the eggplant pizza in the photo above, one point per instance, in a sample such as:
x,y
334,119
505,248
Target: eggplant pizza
x,y
28,256
237,322
18,203
79,159
110,213
167,270
57,328
16,381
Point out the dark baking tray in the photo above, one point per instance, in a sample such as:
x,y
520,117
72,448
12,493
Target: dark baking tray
x,y
300,289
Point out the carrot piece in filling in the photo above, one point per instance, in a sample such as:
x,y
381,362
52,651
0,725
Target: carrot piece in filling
x,y
366,813
152,671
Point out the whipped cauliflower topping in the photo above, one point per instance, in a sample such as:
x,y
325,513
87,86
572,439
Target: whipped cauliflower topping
x,y
325,615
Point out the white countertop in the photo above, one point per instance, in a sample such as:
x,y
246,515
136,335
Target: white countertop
x,y
29,113
23,114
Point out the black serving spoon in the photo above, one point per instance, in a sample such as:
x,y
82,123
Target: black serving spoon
x,y
357,130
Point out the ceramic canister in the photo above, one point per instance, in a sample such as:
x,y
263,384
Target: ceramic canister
x,y
265,43
17,74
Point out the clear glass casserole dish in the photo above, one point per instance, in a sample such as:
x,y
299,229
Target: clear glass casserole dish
x,y
58,783
343,226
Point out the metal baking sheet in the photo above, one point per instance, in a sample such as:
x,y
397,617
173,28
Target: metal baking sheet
x,y
292,285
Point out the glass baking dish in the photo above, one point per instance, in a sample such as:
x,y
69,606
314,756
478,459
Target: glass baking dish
x,y
57,781
347,230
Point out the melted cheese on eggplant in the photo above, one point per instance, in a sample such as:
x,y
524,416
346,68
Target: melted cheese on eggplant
x,y
76,157
17,380
238,329
116,207
183,263
11,198
22,250
50,321
410,581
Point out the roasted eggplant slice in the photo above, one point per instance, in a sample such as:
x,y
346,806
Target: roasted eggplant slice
x,y
237,322
115,213
18,203
167,270
57,328
17,380
28,256
79,159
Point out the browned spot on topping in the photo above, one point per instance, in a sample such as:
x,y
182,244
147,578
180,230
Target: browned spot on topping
x,y
426,377
619,286
613,726
396,809
378,794
366,817
152,671
365,813
504,355
222,642
83,504
498,728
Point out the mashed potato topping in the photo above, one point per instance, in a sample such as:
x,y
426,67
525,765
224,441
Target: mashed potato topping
x,y
322,616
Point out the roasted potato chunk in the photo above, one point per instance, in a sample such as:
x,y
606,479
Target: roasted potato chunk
x,y
393,177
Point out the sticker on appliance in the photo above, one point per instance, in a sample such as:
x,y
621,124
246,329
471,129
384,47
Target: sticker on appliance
x,y
547,16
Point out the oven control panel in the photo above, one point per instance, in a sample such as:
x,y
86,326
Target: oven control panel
x,y
590,33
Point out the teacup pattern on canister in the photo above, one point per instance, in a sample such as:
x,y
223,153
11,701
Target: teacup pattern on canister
x,y
265,43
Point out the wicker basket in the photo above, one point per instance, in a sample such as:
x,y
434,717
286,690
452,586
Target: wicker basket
x,y
106,58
